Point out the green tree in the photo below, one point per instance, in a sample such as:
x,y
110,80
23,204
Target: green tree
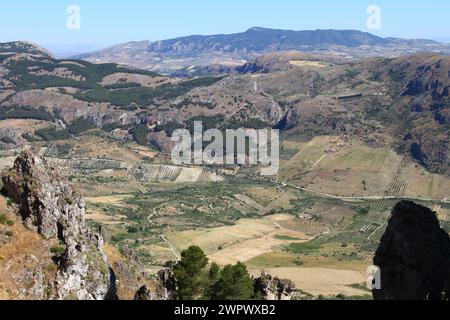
x,y
189,273
234,283
214,272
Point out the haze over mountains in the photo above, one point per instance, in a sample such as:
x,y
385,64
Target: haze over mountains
x,y
167,56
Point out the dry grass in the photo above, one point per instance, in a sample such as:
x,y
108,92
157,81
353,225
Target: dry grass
x,y
144,80
189,175
101,217
94,147
115,200
425,184
247,239
304,63
26,251
23,124
320,281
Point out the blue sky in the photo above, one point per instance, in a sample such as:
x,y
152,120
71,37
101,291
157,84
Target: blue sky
x,y
106,22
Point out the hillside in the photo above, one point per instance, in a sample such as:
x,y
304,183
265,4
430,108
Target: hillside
x,y
356,137
401,103
169,56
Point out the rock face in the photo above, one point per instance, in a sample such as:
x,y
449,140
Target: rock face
x,y
166,289
273,288
49,205
414,256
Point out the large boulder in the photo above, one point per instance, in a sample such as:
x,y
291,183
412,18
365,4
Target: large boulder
x,y
413,256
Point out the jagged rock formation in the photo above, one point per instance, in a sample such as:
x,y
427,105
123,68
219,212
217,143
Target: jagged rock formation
x,y
273,288
166,290
49,205
414,256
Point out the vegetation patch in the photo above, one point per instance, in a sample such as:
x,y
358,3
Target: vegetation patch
x,y
26,112
53,134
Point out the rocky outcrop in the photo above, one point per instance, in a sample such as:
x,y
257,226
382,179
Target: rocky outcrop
x,y
165,288
50,206
273,288
414,256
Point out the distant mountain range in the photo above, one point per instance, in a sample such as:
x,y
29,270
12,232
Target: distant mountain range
x,y
167,56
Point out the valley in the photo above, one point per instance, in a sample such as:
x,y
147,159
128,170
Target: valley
x,y
291,227
357,137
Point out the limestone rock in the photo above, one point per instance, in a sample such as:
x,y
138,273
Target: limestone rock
x,y
273,288
165,288
49,205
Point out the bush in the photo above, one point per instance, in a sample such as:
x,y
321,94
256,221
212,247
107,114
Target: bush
x,y
81,125
3,219
52,134
140,134
362,210
58,250
299,262
133,230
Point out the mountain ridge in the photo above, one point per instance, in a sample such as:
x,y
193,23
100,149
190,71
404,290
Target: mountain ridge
x,y
262,29
167,56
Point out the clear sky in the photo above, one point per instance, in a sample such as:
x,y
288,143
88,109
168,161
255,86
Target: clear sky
x,y
106,22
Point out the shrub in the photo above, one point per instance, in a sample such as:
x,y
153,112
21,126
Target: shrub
x,y
140,134
58,250
299,262
81,125
133,230
362,210
52,134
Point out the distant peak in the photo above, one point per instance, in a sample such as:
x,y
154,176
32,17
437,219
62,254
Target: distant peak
x,y
257,29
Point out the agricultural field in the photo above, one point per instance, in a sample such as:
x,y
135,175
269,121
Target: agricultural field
x,y
318,224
